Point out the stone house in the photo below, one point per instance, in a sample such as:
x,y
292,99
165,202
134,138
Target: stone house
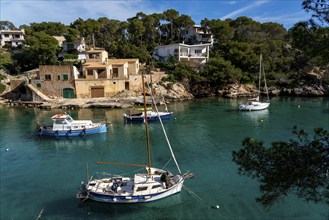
x,y
98,77
105,77
56,81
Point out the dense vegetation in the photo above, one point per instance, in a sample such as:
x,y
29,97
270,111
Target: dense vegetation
x,y
298,166
288,54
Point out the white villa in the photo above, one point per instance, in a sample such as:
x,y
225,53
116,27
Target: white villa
x,y
194,53
197,35
12,37
79,45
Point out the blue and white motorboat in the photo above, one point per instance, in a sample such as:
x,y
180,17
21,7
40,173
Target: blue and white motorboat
x,y
151,116
65,126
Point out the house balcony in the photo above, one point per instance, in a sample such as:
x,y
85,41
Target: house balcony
x,y
94,60
195,55
83,77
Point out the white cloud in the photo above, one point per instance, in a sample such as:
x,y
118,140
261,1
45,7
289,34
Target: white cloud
x,y
287,19
243,9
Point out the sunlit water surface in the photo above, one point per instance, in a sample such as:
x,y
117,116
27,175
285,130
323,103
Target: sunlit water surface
x,y
40,176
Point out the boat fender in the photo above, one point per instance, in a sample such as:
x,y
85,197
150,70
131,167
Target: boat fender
x,y
215,207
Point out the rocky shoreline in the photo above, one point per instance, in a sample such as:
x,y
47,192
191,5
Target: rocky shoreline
x,y
236,91
167,92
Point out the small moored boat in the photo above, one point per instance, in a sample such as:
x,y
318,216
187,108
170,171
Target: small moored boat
x,y
151,116
65,126
255,104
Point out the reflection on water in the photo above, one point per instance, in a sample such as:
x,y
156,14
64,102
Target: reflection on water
x,y
257,117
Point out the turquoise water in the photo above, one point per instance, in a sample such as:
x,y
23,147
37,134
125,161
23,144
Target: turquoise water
x,y
40,176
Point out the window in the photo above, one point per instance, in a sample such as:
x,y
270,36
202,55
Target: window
x,y
156,186
90,72
38,85
59,121
47,77
70,46
198,51
6,35
58,77
65,77
115,72
143,188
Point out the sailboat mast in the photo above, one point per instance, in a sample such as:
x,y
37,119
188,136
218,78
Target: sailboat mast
x,y
265,85
260,73
146,130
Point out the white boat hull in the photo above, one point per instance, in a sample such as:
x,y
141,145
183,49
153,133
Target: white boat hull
x,y
138,189
254,106
136,198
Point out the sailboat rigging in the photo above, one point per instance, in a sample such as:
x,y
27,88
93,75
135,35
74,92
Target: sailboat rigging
x,y
153,185
254,104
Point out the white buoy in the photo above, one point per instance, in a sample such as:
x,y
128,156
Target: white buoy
x,y
7,149
217,206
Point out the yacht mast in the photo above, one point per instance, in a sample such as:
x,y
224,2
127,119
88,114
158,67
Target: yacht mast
x,y
146,130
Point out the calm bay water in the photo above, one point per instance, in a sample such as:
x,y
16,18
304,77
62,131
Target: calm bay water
x,y
40,176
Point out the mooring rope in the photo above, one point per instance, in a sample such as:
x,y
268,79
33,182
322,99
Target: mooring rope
x,y
221,209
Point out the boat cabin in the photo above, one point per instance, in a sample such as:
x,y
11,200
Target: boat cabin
x,y
66,122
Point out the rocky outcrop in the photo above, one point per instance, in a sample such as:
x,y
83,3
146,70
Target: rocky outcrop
x,y
247,90
172,91
237,90
306,90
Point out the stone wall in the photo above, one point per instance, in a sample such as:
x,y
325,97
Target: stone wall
x,y
61,77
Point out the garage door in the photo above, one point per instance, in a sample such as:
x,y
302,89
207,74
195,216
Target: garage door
x,y
68,93
97,92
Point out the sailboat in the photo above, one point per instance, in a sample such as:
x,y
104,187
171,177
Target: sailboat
x,y
254,104
152,185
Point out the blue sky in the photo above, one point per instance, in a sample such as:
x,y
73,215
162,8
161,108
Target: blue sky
x,y
285,12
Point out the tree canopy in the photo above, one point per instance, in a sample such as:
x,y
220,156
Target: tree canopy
x,y
299,166
237,43
319,10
